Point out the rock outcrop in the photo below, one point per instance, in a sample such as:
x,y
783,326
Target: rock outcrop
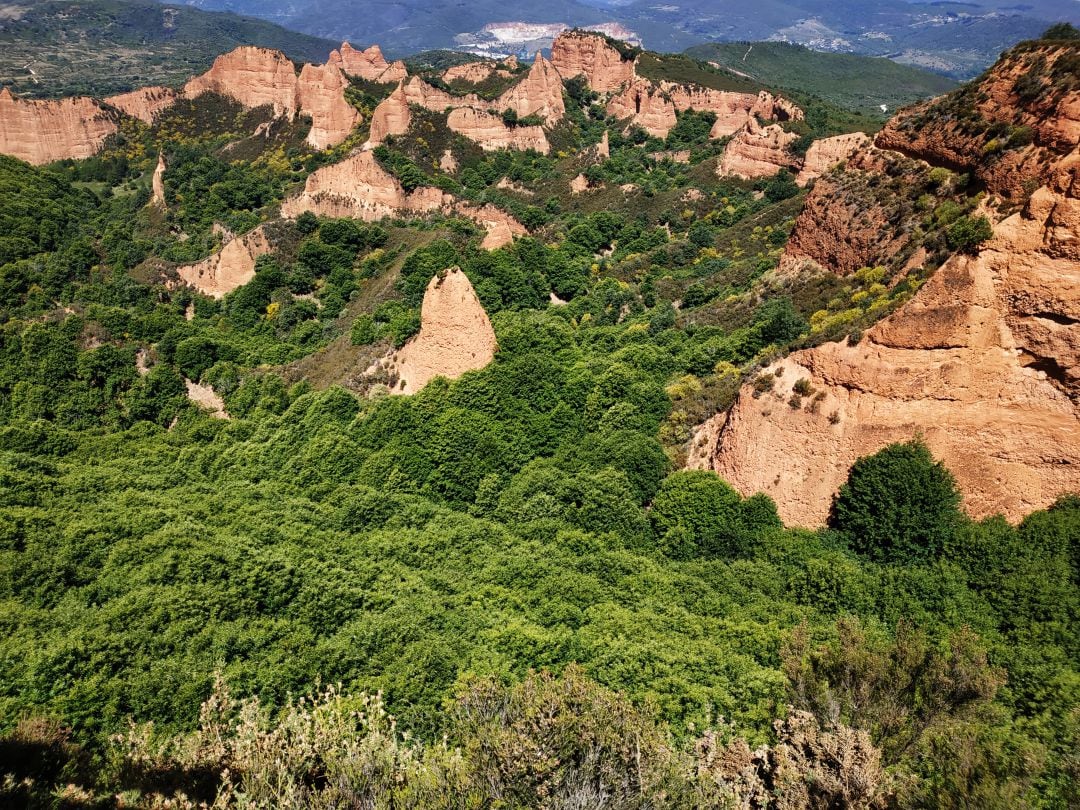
x,y
255,77
321,94
358,187
258,77
1006,129
157,182
492,133
369,64
422,94
758,151
825,153
539,93
577,53
455,335
983,364
391,117
231,267
146,103
474,72
43,131
646,106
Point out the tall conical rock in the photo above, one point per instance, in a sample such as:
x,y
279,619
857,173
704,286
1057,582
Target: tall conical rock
x,y
455,335
539,93
577,53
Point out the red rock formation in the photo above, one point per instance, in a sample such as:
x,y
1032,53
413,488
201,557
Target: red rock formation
x,y
358,187
391,116
157,183
231,267
258,77
732,109
575,53
500,226
825,153
146,103
255,77
1029,92
964,364
646,106
757,151
603,149
474,72
43,131
455,335
368,64
321,94
539,93
422,94
491,133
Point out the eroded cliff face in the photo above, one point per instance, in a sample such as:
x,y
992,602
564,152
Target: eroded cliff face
x,y
575,53
255,77
321,94
391,117
369,64
258,77
43,131
539,93
757,151
146,103
231,267
474,72
646,106
455,335
1021,118
983,363
492,133
360,188
654,107
826,153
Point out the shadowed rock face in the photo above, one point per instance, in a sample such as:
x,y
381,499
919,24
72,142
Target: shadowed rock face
x,y
646,106
455,335
983,363
43,131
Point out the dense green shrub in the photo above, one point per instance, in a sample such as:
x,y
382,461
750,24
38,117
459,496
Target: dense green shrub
x,y
898,505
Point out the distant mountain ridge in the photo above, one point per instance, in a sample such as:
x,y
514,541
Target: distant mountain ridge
x,y
98,47
956,39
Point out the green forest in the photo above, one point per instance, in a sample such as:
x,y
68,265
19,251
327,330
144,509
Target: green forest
x,y
503,591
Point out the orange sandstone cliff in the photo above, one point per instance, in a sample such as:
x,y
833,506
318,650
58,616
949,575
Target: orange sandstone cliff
x,y
369,64
577,53
43,131
390,117
539,93
492,133
360,188
983,362
825,153
758,151
146,103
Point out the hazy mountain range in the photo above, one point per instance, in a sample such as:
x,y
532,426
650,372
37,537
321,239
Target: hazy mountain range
x,y
958,38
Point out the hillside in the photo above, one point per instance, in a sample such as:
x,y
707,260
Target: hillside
x,y
52,48
848,80
601,430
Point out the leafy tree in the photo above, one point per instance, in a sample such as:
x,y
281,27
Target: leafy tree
x,y
967,233
898,505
